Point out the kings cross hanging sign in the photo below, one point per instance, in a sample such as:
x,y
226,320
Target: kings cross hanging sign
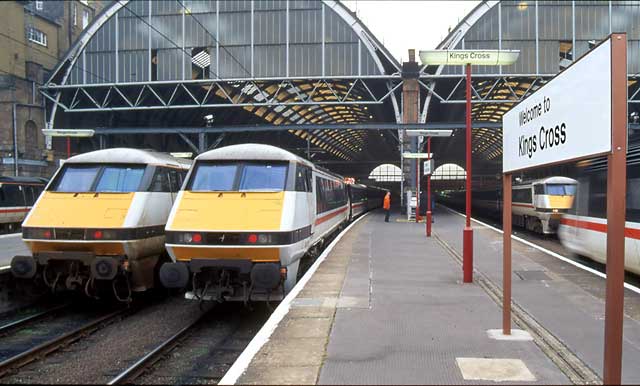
x,y
580,113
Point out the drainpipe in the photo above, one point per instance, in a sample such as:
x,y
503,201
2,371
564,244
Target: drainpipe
x,y
15,140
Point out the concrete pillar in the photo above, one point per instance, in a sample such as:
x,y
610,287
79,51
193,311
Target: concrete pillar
x,y
410,114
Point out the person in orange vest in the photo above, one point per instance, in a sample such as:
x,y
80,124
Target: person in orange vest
x,y
386,205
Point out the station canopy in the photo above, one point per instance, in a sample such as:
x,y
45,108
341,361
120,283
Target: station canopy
x,y
176,66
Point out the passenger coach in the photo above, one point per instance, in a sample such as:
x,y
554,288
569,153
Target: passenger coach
x,y
248,216
99,225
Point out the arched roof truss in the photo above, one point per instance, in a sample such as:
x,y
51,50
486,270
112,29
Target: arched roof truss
x,y
280,61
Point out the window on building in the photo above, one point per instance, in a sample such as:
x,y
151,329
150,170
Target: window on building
x,y
39,5
36,36
449,172
85,18
386,173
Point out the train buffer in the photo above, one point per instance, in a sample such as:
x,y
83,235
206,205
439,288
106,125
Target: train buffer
x,y
387,306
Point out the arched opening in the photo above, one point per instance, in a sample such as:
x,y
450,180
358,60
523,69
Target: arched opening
x,y
386,173
449,172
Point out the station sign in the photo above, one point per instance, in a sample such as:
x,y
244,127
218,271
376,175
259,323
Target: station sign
x,y
462,57
566,119
428,167
417,155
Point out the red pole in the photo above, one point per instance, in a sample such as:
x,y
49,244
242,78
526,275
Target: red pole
x,y
467,234
506,254
418,188
68,147
616,195
429,189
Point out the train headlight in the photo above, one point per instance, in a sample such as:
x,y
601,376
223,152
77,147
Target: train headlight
x,y
555,211
264,239
37,233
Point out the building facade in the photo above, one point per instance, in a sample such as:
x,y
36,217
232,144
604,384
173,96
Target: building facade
x,y
34,35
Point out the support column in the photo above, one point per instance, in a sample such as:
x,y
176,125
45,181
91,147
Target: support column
x,y
202,142
410,114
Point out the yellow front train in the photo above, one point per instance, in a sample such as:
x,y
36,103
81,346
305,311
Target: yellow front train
x,y
247,216
99,224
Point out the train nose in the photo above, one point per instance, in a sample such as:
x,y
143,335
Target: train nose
x,y
174,275
104,268
23,267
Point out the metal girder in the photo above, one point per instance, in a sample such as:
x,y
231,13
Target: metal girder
x,y
221,93
305,127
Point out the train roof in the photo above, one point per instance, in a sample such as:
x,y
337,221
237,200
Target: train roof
x,y
26,180
251,152
130,156
555,180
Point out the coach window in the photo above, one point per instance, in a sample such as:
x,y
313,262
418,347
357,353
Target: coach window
x,y
12,195
633,199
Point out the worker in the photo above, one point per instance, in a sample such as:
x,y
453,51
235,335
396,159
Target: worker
x,y
387,205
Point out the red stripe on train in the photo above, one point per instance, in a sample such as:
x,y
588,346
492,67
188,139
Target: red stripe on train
x,y
356,205
14,210
329,216
631,233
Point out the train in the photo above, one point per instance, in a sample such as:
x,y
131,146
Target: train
x,y
98,226
583,230
537,205
17,196
250,218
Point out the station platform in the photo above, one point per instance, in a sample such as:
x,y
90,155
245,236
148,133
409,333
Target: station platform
x,y
388,306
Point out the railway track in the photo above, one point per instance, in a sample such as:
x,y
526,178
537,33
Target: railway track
x,y
22,357
134,371
8,326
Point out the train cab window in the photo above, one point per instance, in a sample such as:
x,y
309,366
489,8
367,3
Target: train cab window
x,y
538,189
120,179
160,182
560,189
302,180
213,177
175,180
76,179
263,177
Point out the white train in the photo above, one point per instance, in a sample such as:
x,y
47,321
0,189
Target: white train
x,y
249,216
584,229
99,224
17,196
536,205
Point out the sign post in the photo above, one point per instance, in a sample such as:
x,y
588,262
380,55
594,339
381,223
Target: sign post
x,y
580,113
467,58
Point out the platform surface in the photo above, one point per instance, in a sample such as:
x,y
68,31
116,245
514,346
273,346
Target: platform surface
x,y
387,306
11,245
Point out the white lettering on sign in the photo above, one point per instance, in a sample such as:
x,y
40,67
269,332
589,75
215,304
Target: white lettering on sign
x,y
567,118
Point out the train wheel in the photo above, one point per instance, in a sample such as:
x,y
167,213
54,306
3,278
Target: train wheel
x,y
537,226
